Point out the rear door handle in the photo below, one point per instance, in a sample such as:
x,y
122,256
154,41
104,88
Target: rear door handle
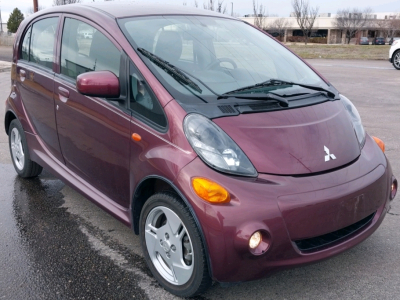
x,y
63,94
22,74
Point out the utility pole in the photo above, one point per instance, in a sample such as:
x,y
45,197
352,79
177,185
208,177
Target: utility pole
x,y
35,5
1,24
232,9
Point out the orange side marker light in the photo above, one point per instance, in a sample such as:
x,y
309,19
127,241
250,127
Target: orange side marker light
x,y
380,143
136,137
210,191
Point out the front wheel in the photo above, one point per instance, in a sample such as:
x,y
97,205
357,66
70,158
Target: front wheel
x,y
172,246
19,151
396,60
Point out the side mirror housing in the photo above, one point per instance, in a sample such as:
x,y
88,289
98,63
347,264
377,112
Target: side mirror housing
x,y
98,84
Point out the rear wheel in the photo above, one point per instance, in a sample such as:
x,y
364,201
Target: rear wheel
x,y
396,60
172,246
24,166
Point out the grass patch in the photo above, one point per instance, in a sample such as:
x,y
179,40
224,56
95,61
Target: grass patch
x,y
374,52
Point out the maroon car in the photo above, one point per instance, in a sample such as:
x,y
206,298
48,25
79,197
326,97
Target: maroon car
x,y
228,155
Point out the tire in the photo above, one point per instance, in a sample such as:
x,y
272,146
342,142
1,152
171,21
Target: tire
x,y
168,234
20,153
396,60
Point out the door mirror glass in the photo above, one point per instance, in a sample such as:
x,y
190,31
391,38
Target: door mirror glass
x,y
102,84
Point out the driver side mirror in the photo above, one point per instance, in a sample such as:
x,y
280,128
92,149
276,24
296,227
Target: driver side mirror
x,y
98,84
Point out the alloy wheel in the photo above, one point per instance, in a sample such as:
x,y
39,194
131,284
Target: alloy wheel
x,y
169,245
16,149
396,60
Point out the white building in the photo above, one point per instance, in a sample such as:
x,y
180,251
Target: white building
x,y
324,26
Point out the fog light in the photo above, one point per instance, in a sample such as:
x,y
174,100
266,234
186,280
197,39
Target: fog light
x,y
393,190
380,143
210,190
255,240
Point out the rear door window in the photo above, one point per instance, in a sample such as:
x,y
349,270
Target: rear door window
x,y
42,41
85,49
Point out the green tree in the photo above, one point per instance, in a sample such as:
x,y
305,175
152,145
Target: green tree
x,y
14,20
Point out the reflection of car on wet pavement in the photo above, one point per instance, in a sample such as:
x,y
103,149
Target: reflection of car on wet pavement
x,y
228,167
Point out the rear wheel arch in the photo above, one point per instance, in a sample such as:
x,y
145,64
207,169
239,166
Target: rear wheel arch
x,y
9,117
152,185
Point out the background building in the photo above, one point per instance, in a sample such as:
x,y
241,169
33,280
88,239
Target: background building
x,y
324,27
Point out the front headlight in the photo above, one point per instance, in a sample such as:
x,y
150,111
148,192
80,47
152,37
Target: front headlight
x,y
215,147
355,118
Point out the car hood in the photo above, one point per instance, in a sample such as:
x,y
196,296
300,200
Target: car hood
x,y
297,141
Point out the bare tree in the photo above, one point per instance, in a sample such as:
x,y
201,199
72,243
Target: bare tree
x,y
215,6
30,11
259,14
394,26
64,2
389,27
279,26
305,16
352,21
196,4
220,7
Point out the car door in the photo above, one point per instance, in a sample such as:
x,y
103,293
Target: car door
x,y
93,132
35,69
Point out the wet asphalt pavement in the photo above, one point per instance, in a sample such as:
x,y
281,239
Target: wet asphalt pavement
x,y
55,244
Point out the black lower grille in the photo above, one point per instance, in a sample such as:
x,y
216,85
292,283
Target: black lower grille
x,y
319,242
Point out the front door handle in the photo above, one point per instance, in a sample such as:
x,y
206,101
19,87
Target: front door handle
x,y
63,94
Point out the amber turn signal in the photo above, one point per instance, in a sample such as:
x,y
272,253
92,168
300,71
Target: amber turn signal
x,y
210,191
136,137
380,143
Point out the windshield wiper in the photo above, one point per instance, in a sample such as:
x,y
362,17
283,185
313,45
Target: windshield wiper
x,y
175,72
272,82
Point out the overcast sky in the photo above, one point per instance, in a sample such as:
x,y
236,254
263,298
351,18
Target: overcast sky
x,y
281,8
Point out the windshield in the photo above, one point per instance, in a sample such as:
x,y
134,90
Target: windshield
x,y
218,54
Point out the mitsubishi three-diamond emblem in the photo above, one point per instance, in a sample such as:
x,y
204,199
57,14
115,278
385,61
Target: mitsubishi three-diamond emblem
x,y
328,155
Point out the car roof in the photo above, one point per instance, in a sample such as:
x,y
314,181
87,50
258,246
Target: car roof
x,y
129,9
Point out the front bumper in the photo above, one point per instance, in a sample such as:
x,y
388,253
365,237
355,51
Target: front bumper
x,y
288,209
